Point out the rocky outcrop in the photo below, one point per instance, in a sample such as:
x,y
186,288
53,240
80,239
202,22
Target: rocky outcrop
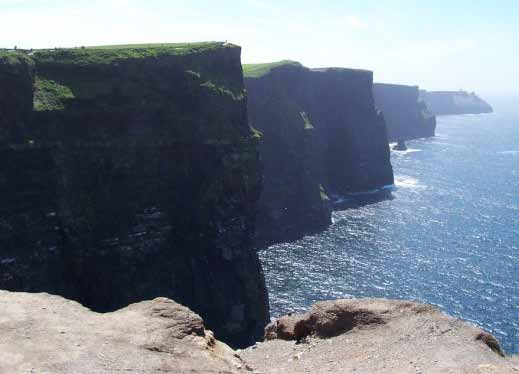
x,y
137,177
406,115
40,333
321,137
455,102
377,336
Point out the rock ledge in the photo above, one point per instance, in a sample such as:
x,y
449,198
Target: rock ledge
x,y
377,336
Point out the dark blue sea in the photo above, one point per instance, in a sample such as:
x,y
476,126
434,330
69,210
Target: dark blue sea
x,y
449,236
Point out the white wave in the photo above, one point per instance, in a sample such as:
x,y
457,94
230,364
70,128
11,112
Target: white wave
x,y
403,181
508,153
450,144
407,151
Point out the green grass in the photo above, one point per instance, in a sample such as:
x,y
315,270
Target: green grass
x,y
50,95
110,53
256,134
177,46
13,58
222,90
260,70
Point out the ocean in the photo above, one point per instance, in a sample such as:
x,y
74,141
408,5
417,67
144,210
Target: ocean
x,y
448,236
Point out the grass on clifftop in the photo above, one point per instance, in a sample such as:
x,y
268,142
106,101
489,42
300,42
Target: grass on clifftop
x,y
13,58
259,70
110,53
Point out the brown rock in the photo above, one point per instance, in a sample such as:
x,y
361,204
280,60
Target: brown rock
x,y
324,320
41,333
378,336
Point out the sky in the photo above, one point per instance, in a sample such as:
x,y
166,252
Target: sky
x,y
439,45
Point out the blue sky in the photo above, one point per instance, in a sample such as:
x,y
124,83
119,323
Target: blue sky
x,y
437,44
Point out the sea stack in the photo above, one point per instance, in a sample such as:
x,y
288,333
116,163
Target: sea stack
x,y
134,175
400,146
406,115
322,136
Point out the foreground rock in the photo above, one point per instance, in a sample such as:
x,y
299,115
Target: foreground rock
x,y
455,102
377,336
40,333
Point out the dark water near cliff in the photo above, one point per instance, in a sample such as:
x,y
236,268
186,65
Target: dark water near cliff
x,y
449,237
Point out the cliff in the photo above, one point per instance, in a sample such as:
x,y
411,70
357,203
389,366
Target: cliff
x,y
406,116
136,177
48,334
16,95
321,137
455,102
293,201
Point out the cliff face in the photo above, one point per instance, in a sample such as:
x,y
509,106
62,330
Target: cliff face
x,y
321,135
138,177
16,95
455,102
293,201
356,151
406,116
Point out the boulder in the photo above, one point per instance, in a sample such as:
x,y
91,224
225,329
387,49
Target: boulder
x,y
40,333
377,336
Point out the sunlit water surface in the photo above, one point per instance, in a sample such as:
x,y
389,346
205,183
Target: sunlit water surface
x,y
450,235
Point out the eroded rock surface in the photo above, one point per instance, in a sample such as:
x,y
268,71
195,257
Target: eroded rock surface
x,y
377,336
40,333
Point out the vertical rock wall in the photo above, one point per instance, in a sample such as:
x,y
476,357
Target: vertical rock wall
x,y
321,136
138,177
406,115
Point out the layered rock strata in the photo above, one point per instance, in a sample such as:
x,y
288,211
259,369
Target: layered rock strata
x,y
134,175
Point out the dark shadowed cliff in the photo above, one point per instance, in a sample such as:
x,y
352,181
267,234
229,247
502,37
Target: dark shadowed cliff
x,y
406,116
455,102
321,136
293,201
135,176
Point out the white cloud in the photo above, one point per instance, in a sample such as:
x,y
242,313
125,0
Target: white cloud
x,y
355,22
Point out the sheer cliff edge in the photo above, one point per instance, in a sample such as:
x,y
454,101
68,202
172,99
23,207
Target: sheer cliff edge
x,y
322,138
407,116
128,173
